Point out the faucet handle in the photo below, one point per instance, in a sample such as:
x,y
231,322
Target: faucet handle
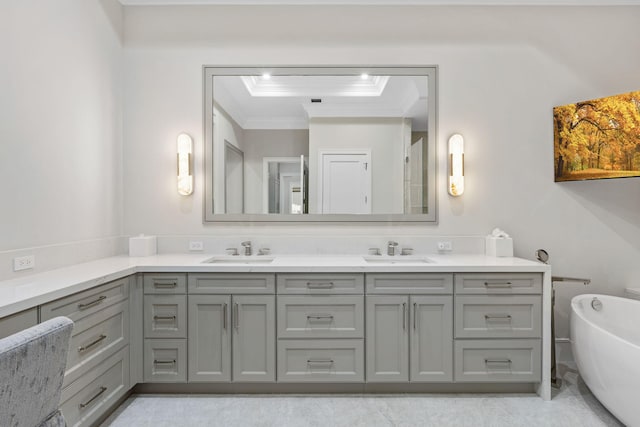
x,y
374,251
233,251
406,251
264,251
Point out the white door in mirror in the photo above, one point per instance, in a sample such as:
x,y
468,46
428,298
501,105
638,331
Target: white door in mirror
x,y
346,183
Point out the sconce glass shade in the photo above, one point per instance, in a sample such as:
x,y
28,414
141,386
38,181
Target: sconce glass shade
x,y
185,176
456,165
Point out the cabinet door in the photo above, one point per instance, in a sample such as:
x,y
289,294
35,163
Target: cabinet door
x,y
209,338
254,338
387,338
431,338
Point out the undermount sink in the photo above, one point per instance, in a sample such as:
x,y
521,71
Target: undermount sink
x,y
398,259
238,259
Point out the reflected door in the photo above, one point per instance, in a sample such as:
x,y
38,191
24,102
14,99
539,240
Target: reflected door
x,y
346,183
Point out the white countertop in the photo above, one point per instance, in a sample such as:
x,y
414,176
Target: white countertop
x,y
29,291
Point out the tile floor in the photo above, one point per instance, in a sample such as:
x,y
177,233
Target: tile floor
x,y
572,405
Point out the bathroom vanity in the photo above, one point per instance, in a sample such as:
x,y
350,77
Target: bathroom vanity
x,y
292,324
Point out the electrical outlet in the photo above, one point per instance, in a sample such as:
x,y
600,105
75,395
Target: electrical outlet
x,y
445,246
196,245
24,262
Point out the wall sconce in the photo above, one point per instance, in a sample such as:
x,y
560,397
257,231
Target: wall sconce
x,y
456,165
185,176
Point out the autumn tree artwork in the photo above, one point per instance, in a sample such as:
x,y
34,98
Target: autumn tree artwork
x,y
598,139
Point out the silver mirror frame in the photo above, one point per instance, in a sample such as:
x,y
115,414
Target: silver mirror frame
x,y
431,72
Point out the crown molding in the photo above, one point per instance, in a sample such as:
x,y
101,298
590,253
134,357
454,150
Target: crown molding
x,y
382,2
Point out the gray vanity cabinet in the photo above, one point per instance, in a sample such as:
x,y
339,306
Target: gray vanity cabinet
x,y
498,333
165,328
209,338
232,336
17,322
430,339
387,338
226,328
320,327
254,338
409,337
97,373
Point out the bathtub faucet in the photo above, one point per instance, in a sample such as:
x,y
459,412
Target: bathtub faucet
x,y
569,279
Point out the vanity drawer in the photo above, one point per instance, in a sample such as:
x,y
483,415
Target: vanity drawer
x,y
497,361
165,283
499,316
231,283
84,303
498,283
165,360
320,283
17,322
85,400
318,316
414,283
320,361
96,337
165,316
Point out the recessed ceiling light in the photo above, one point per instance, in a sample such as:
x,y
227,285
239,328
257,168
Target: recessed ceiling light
x,y
364,76
266,76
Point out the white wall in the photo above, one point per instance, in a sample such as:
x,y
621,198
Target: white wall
x,y
383,137
501,70
60,126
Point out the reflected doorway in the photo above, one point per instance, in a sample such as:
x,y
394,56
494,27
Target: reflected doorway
x,y
233,178
285,185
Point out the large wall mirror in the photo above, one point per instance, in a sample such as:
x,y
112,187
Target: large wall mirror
x,y
320,144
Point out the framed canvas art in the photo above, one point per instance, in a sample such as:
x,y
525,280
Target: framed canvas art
x,y
598,139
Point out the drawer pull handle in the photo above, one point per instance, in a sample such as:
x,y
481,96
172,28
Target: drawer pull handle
x,y
498,316
164,362
319,317
415,315
92,303
95,396
319,361
319,285
499,285
97,341
497,362
165,285
164,317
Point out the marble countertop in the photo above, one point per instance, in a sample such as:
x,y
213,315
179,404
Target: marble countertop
x,y
29,291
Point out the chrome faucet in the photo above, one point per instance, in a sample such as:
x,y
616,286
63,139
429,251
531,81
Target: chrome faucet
x,y
391,248
247,247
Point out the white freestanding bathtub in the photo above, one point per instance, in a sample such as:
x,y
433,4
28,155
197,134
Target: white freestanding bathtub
x,y
605,339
